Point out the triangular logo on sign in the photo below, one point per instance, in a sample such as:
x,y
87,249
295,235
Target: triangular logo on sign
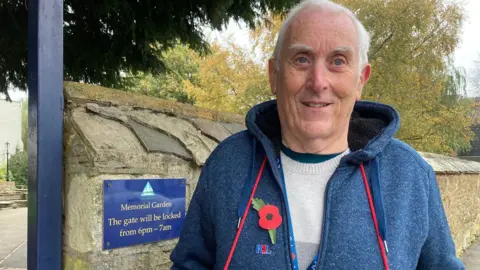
x,y
147,190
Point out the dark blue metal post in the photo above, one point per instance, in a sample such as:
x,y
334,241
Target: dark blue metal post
x,y
45,134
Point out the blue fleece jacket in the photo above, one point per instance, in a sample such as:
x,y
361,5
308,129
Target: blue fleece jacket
x,y
407,202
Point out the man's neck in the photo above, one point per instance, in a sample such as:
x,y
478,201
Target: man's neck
x,y
316,146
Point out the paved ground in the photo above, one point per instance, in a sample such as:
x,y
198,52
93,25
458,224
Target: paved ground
x,y
13,238
471,257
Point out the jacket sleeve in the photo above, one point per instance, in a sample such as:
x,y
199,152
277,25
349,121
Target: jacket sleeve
x,y
438,251
196,246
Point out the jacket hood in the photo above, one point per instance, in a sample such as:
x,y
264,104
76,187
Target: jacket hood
x,y
372,126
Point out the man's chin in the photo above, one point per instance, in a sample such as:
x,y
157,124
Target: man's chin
x,y
316,132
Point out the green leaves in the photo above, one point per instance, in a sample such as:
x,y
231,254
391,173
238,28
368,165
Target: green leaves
x,y
104,39
18,168
181,64
258,204
234,78
411,44
474,77
273,236
24,131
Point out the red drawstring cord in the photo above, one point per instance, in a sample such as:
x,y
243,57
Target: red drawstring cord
x,y
374,217
245,213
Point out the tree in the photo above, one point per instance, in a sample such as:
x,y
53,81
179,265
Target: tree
x,y
475,76
3,172
181,64
18,166
455,85
410,41
233,78
457,111
104,38
24,131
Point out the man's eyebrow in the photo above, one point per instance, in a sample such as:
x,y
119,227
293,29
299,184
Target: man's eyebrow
x,y
340,50
300,47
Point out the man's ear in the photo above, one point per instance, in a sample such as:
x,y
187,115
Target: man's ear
x,y
272,75
364,76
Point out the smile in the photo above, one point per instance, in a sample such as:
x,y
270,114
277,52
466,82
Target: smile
x,y
315,105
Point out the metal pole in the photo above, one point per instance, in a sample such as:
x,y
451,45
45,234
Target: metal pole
x,y
7,177
45,134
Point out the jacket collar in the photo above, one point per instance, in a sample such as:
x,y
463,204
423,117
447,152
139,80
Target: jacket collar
x,y
372,126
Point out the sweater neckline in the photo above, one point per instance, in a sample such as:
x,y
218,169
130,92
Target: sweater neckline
x,y
307,157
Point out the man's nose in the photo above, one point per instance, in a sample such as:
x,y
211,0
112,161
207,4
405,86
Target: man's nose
x,y
319,77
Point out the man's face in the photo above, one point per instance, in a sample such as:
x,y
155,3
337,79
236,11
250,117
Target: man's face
x,y
318,80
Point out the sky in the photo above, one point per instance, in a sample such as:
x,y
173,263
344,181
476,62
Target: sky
x,y
467,51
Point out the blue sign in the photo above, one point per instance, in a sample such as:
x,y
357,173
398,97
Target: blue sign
x,y
138,211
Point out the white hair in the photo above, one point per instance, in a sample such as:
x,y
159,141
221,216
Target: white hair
x,y
326,5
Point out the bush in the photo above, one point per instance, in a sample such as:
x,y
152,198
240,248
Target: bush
x,y
18,166
3,172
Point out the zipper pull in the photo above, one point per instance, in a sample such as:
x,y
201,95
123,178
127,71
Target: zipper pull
x,y
386,247
239,220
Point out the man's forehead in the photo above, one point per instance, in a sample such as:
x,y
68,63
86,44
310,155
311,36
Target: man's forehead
x,y
324,18
334,29
295,47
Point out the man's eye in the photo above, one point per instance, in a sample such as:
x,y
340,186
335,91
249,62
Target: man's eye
x,y
338,62
302,60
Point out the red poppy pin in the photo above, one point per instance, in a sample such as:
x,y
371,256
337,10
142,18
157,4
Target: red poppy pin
x,y
270,217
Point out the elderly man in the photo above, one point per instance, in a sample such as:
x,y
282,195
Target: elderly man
x,y
317,181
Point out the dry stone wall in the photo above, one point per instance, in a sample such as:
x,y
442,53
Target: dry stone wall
x,y
6,186
111,134
459,183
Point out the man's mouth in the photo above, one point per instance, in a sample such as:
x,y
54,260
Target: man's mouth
x,y
316,104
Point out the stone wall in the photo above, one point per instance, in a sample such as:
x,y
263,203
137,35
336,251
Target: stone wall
x,y
117,135
6,186
459,182
11,197
112,134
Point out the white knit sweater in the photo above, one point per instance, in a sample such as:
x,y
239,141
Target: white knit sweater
x,y
305,184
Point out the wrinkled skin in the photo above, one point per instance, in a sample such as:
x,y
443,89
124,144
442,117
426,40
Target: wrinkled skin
x,y
318,81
